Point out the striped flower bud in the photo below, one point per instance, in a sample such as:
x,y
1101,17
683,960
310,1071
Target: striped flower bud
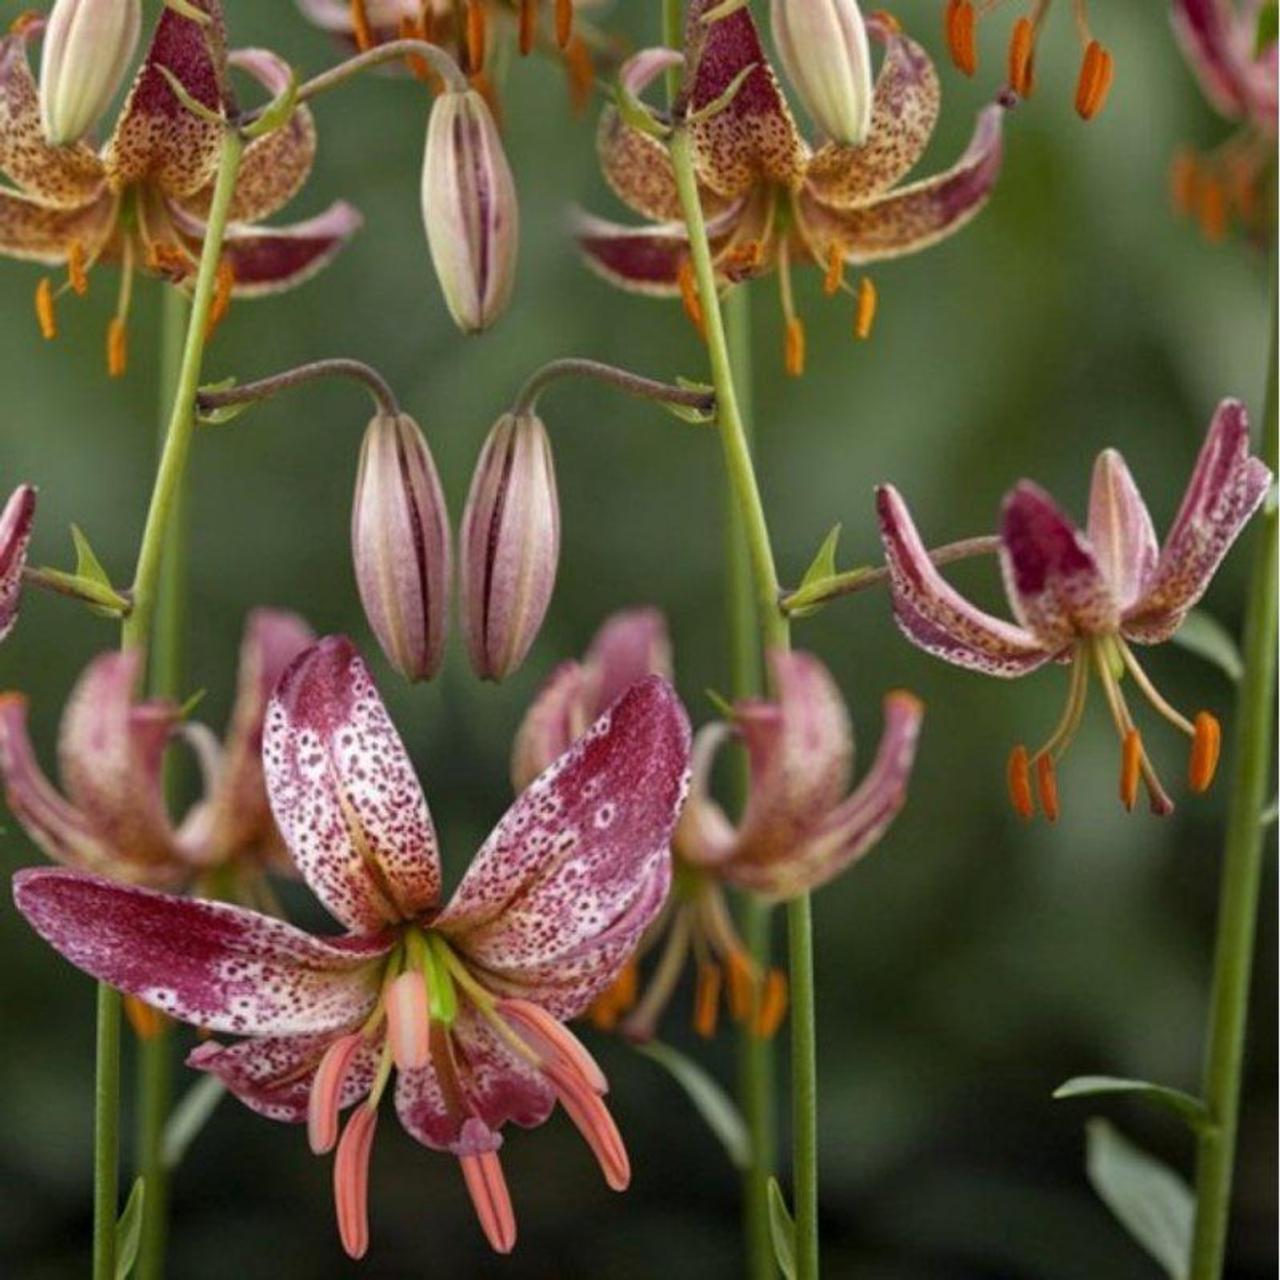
x,y
400,544
510,545
88,45
469,209
823,46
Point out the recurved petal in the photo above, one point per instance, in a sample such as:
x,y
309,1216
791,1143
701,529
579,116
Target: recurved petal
x,y
157,139
1120,530
272,1075
1226,488
630,645
904,111
754,137
16,519
55,177
344,792
934,616
35,232
1205,30
207,963
556,716
856,826
913,217
559,894
704,835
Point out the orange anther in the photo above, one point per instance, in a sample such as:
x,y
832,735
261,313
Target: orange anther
x,y
834,278
741,261
1206,747
528,25
706,1001
793,349
476,34
580,71
742,985
960,21
603,1012
688,283
1211,208
1130,768
1018,776
773,1005
46,315
147,1023
224,284
117,347
1184,176
1047,786
564,21
1022,57
865,314
361,31
77,276
415,29
885,19
1096,71
27,18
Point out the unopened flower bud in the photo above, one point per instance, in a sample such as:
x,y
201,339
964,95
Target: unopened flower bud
x,y
401,546
470,211
510,545
823,46
88,45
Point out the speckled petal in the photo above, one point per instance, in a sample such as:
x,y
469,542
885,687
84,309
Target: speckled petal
x,y
1226,488
207,963
36,233
754,137
272,1075
55,177
904,111
16,519
156,138
1120,530
913,217
548,726
934,616
344,792
561,891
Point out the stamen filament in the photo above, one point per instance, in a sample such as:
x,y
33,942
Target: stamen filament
x,y
1143,681
793,350
1131,741
643,1020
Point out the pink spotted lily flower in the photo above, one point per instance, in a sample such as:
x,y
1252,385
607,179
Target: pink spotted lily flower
x,y
1085,597
16,519
466,1001
141,199
769,199
1233,54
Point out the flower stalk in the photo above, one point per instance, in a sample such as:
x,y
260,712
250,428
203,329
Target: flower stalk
x,y
211,399
699,399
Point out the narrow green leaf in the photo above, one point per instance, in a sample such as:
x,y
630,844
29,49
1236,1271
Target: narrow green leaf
x,y
822,567
88,565
187,709
782,1228
129,1230
713,1104
1183,1105
1150,1201
724,708
1203,635
189,1117
731,91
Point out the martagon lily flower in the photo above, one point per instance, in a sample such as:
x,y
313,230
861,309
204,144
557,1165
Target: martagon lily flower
x,y
142,198
16,519
1085,597
770,200
466,1002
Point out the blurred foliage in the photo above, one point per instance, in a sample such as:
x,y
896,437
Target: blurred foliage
x,y
967,968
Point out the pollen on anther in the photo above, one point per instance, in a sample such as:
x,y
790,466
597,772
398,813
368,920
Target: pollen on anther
x,y
689,295
476,34
1130,768
960,21
46,315
1022,48
773,1005
117,347
361,31
528,25
1183,181
1206,747
1047,786
706,1003
864,316
147,1021
224,285
1096,71
564,21
834,278
580,72
77,276
793,350
1018,775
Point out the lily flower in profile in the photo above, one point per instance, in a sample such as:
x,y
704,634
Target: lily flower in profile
x,y
465,1002
1231,48
16,519
142,198
1086,597
770,200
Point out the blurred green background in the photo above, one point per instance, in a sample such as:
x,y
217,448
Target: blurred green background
x,y
966,968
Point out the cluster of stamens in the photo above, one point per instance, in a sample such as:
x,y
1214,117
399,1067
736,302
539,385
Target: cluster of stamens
x,y
1112,658
1224,185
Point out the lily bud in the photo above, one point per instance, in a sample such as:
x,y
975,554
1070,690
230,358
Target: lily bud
x,y
401,546
823,46
88,45
510,545
470,211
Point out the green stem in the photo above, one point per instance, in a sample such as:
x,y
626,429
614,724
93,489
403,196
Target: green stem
x,y
1241,876
106,1133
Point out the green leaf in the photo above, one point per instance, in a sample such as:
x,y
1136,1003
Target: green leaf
x,y
734,87
188,708
129,1230
1207,638
1183,1105
89,570
278,112
782,1228
713,1104
1151,1202
724,708
189,1117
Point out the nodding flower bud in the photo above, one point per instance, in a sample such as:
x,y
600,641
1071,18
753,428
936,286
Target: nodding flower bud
x,y
823,46
401,546
88,45
510,545
470,211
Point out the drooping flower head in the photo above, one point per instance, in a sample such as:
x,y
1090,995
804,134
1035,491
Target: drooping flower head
x,y
465,1002
1084,597
16,519
142,198
769,199
1097,68
1231,48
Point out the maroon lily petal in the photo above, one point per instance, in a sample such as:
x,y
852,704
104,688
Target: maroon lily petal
x,y
934,616
551,723
34,232
1216,46
1055,584
704,835
157,139
207,963
630,645
754,137
1120,530
561,891
639,259
344,792
15,535
1226,488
